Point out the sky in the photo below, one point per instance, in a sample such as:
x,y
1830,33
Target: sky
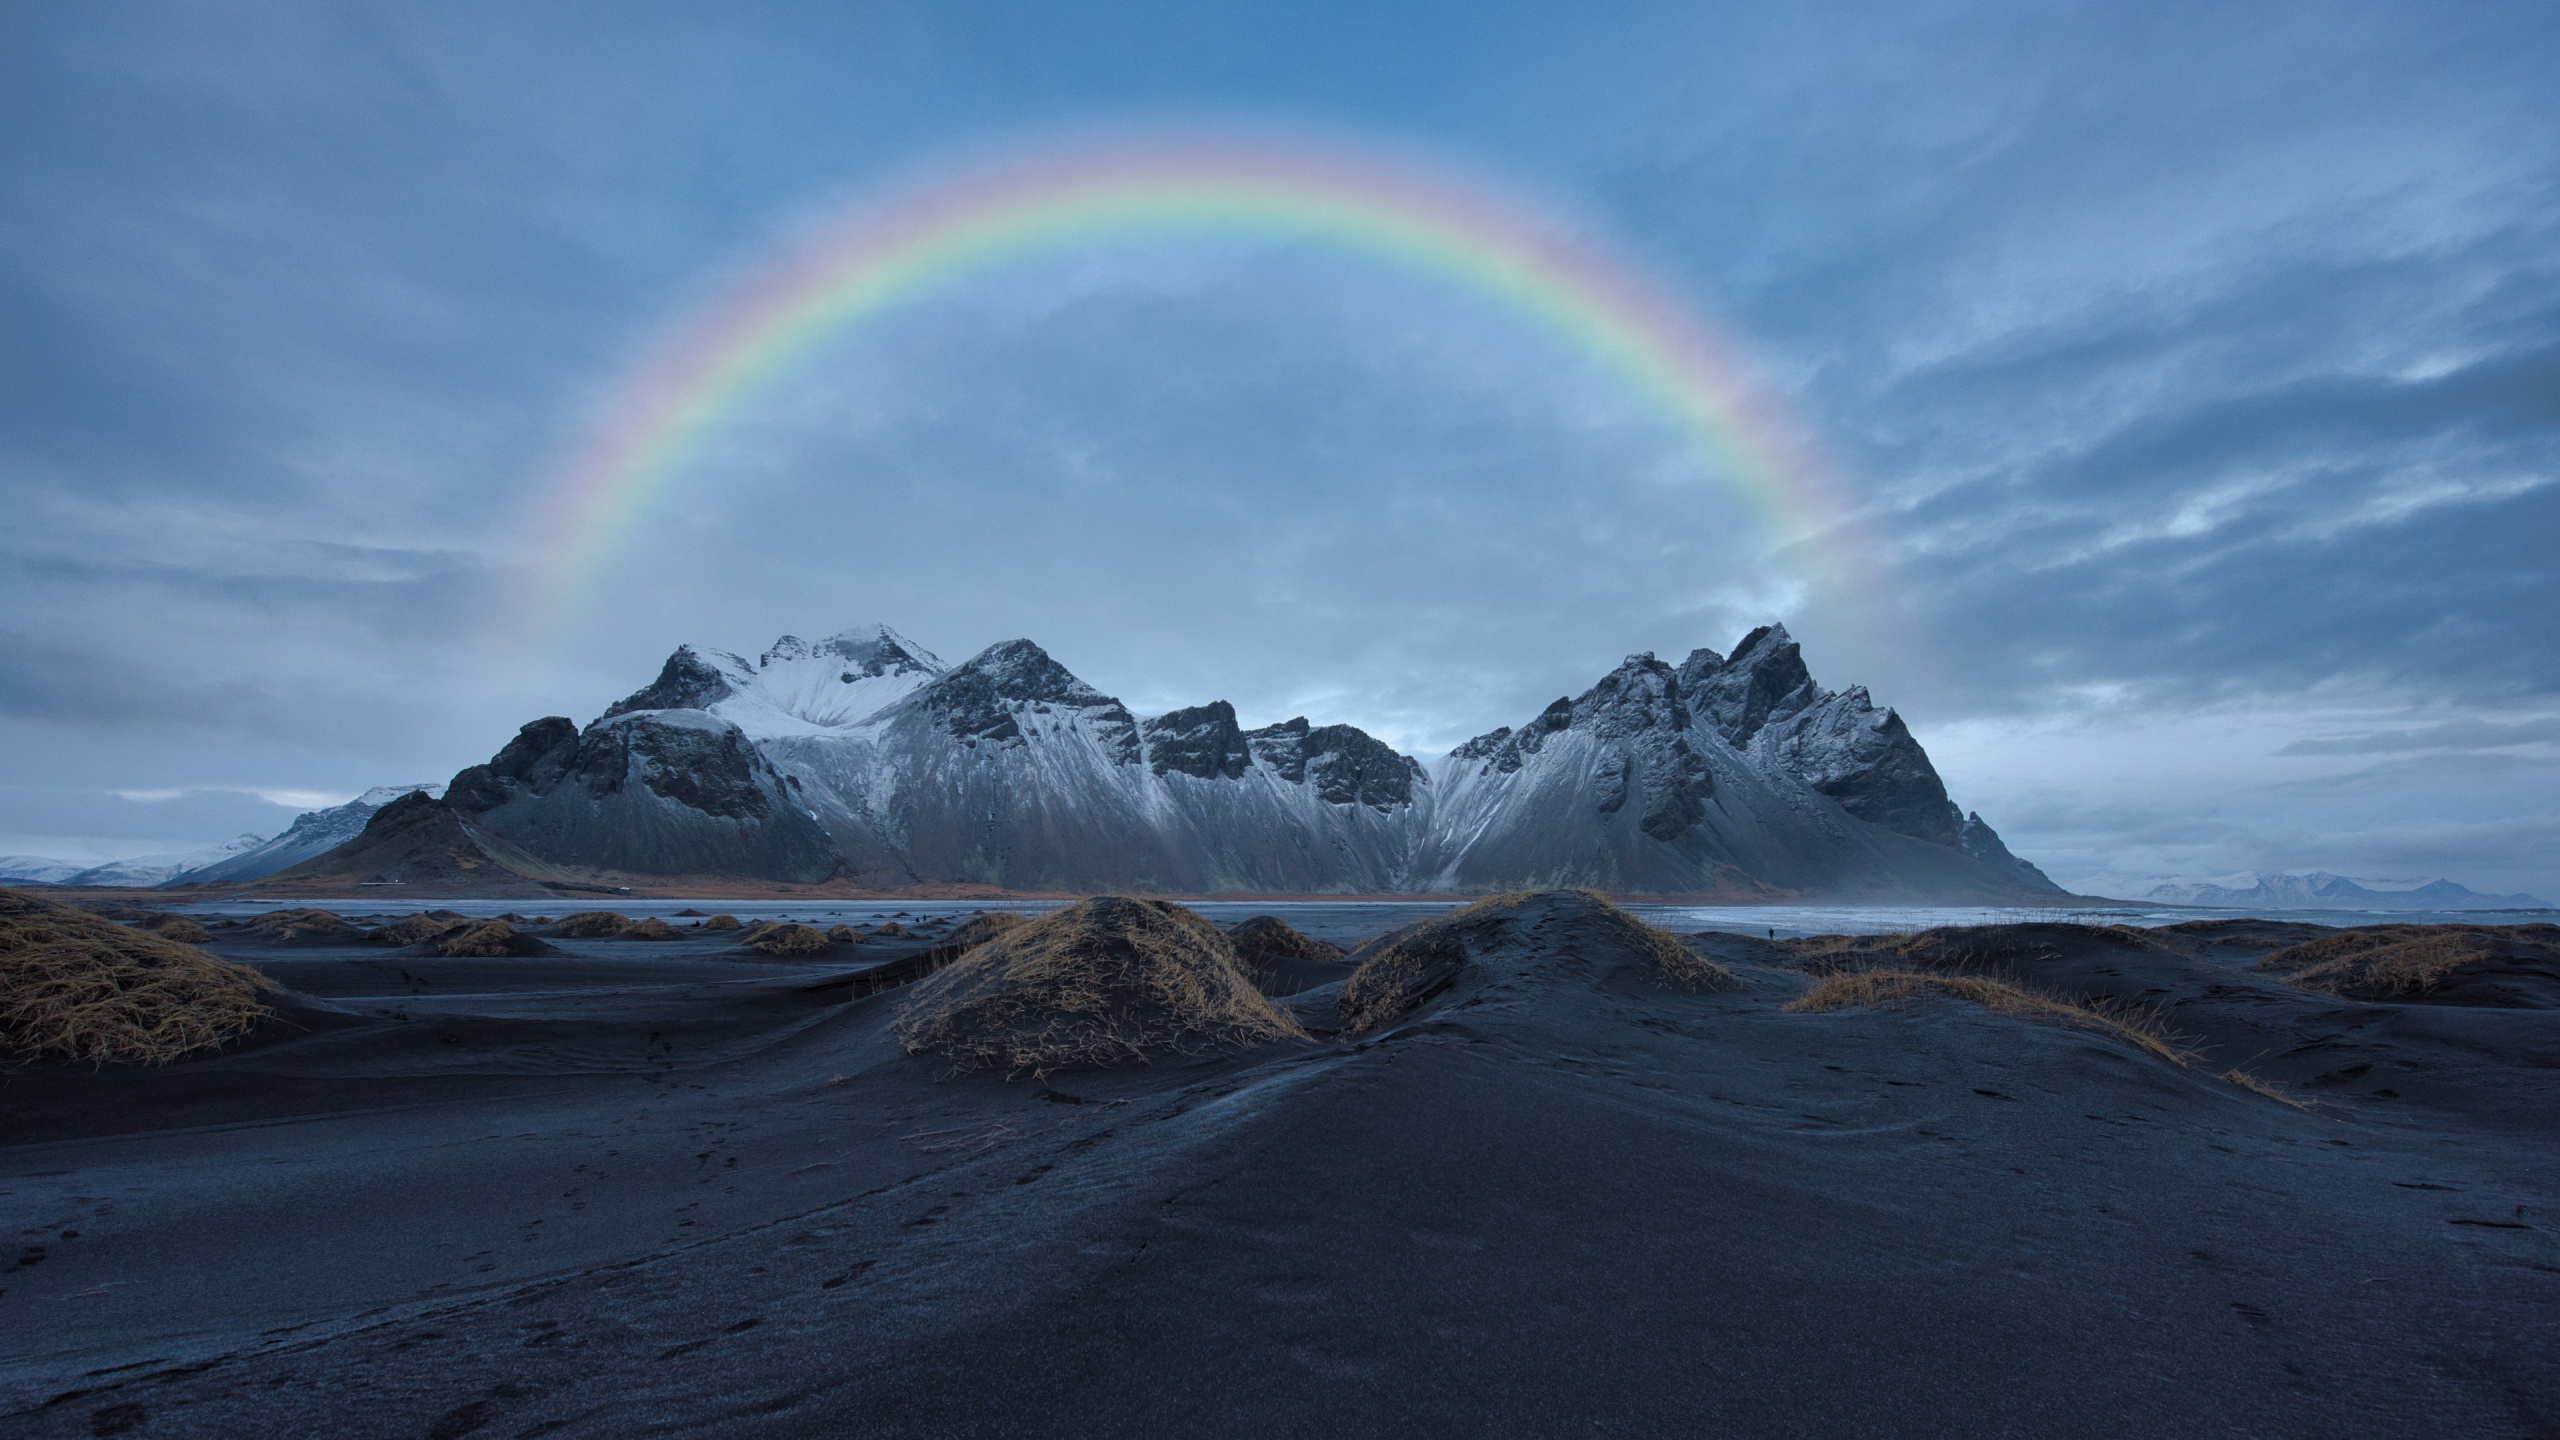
x,y
2189,374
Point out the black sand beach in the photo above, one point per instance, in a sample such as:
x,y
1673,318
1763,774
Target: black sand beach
x,y
669,1188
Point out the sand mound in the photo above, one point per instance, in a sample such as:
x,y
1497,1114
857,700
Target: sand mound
x,y
2478,964
590,924
1861,989
423,926
1270,935
788,940
176,927
723,922
890,931
652,928
1413,965
304,927
487,940
77,987
1103,982
844,935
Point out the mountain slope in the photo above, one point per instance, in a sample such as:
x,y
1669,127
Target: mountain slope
x,y
864,757
312,834
2322,890
421,846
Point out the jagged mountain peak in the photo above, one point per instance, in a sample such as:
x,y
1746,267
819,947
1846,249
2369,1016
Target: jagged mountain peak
x,y
1765,680
864,650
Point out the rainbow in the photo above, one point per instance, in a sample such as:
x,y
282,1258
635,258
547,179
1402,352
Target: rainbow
x,y
928,236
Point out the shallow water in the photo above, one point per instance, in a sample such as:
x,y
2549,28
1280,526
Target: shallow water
x,y
1346,922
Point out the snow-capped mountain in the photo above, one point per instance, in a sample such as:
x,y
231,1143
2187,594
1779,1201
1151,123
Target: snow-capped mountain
x,y
2321,890
144,871
313,832
863,757
36,870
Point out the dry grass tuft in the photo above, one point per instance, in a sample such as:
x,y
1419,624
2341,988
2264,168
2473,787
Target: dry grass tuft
x,y
890,931
722,922
788,940
1401,974
1271,935
1859,989
1424,961
591,924
304,927
176,928
652,928
2256,1086
1678,963
485,941
979,929
844,935
77,987
416,929
2385,962
1102,982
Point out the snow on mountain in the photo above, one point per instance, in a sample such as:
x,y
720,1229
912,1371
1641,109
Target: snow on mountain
x,y
313,832
144,871
795,687
2322,890
36,870
864,756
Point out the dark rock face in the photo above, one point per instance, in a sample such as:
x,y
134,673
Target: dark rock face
x,y
428,847
1202,741
1865,759
863,653
1350,766
1765,680
685,682
1281,748
980,701
1983,843
666,792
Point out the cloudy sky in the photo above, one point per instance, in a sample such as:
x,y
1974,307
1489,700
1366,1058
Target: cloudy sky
x,y
2193,372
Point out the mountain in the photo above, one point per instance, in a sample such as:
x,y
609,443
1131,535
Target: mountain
x,y
144,871
36,870
313,833
418,845
2320,890
863,758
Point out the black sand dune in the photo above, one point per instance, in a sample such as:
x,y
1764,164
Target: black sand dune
x,y
663,1189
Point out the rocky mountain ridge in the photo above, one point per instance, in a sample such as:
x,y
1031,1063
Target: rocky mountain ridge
x,y
863,759
2319,889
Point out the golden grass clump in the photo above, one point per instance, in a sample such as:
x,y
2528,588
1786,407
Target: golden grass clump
x,y
1402,974
590,925
652,928
1678,963
1419,964
722,922
979,929
485,941
890,931
788,940
1105,981
844,935
176,928
1861,989
415,929
304,927
1271,935
2382,963
77,987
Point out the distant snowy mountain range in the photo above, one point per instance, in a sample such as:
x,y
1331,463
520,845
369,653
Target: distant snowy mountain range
x,y
864,758
314,832
2320,890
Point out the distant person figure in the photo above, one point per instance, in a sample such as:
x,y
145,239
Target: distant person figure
x,y
1773,934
